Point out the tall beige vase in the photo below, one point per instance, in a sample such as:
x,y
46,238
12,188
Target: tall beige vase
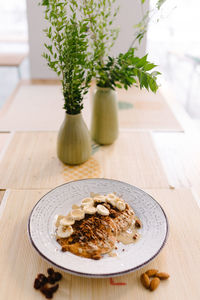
x,y
104,125
74,142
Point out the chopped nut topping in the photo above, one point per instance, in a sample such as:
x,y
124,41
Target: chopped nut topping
x,y
136,236
138,223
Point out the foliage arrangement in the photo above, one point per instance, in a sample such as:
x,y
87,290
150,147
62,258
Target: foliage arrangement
x,y
68,52
101,15
124,70
141,27
81,35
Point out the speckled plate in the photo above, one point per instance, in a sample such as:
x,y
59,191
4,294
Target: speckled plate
x,y
154,231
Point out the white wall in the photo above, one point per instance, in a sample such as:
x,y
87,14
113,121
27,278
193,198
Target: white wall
x,y
130,14
36,24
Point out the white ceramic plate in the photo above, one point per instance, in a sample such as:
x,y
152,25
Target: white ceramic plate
x,y
60,200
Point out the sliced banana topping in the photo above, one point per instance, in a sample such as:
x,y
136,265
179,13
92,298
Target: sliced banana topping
x,y
121,205
119,199
67,221
99,199
111,198
77,214
75,206
102,210
58,220
89,209
87,201
112,202
64,231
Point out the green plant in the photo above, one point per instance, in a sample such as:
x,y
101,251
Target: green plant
x,y
67,54
141,27
101,15
124,70
127,70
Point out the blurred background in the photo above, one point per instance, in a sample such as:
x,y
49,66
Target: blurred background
x,y
172,41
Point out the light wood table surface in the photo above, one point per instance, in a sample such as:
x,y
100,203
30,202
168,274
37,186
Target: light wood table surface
x,y
145,110
12,60
38,107
180,257
2,192
3,140
165,164
180,157
31,162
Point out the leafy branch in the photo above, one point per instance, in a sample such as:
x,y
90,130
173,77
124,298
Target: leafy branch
x,y
142,26
67,53
101,15
127,70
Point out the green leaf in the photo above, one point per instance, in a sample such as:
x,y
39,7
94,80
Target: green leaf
x,y
141,61
149,66
153,85
160,3
45,3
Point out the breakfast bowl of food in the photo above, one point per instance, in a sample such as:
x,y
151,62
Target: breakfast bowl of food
x,y
98,227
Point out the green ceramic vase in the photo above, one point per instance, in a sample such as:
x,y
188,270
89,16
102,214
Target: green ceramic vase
x,y
74,142
104,125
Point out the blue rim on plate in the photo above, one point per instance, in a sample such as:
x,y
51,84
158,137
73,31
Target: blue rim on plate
x,y
101,275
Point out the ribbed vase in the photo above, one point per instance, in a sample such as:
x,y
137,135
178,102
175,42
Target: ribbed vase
x,y
104,125
74,142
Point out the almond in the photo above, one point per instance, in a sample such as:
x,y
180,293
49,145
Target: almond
x,y
162,275
136,236
145,280
154,284
151,272
138,223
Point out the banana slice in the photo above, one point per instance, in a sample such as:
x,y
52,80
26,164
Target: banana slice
x,y
99,199
77,214
119,199
111,198
64,231
102,210
120,205
89,209
58,220
87,201
67,221
75,206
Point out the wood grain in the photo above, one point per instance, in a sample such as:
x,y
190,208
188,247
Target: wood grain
x,y
133,158
12,60
2,192
149,111
4,109
154,115
180,257
3,140
177,108
31,162
39,107
179,154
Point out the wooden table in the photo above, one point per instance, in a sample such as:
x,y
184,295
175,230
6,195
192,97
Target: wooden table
x,y
12,60
160,155
38,107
